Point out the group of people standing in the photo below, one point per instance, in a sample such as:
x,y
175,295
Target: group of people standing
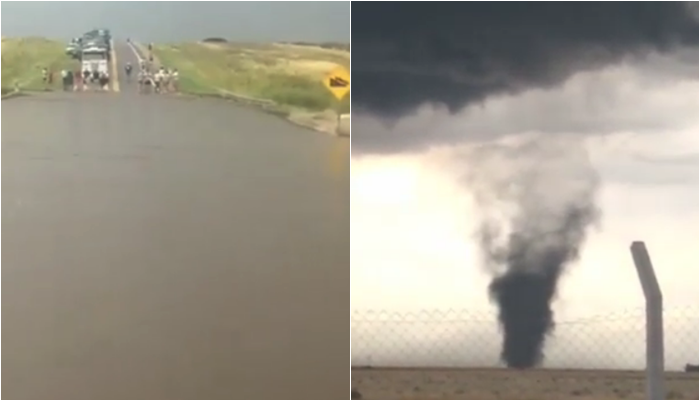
x,y
80,80
160,81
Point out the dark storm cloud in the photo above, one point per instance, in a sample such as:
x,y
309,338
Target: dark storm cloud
x,y
406,54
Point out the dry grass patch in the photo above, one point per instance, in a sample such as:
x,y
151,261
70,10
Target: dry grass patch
x,y
289,75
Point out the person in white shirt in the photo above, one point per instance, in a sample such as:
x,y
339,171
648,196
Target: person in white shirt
x,y
158,80
64,79
166,79
175,76
144,81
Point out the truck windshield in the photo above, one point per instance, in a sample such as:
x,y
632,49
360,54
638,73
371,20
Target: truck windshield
x,y
93,56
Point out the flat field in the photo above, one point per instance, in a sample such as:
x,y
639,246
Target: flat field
x,y
454,384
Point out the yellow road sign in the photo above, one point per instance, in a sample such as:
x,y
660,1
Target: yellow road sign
x,y
338,82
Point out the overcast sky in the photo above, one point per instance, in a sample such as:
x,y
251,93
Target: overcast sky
x,y
618,86
175,21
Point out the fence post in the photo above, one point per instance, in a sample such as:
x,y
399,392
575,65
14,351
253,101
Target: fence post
x,y
654,321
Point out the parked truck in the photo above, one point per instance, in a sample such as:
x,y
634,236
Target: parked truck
x,y
96,61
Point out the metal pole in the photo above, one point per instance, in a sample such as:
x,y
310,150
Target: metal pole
x,y
654,321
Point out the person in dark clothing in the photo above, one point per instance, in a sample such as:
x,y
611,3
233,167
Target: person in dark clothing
x,y
95,76
146,82
78,77
104,80
128,69
68,81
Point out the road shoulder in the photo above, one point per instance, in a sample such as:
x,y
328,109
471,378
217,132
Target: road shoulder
x,y
12,94
115,68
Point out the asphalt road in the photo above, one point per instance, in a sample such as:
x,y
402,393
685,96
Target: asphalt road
x,y
160,247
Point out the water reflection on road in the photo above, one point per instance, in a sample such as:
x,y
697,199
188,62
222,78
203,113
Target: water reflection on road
x,y
170,248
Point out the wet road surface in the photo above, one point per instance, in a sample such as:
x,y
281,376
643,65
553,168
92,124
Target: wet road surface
x,y
156,247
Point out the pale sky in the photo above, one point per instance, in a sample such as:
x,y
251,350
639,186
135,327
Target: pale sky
x,y
172,21
413,217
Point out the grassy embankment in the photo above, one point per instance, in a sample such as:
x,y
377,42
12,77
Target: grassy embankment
x,y
23,59
289,75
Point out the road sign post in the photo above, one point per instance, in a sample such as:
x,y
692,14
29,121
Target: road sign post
x,y
337,81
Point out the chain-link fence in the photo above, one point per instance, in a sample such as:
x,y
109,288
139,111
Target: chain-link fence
x,y
456,354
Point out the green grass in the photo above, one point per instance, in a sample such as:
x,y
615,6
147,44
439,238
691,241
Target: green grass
x,y
289,75
23,59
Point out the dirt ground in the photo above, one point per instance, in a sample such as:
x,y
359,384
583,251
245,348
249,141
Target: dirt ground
x,y
453,384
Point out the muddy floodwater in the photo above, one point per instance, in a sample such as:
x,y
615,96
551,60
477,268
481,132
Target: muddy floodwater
x,y
156,247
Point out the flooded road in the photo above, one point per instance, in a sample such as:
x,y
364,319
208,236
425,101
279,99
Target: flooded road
x,y
156,247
